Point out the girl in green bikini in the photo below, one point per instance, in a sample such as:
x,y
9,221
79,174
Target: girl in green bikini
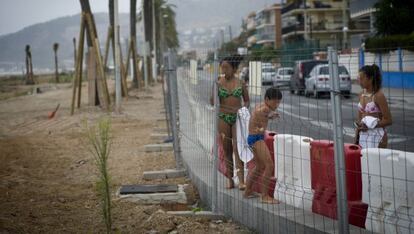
x,y
233,94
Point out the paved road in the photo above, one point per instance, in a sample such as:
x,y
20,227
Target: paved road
x,y
312,117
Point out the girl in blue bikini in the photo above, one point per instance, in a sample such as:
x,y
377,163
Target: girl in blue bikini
x,y
233,95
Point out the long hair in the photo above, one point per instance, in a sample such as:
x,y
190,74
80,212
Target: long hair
x,y
374,75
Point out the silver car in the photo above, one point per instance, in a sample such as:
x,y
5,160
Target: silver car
x,y
268,75
318,81
283,75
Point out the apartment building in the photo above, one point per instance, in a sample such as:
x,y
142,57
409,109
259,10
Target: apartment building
x,y
266,25
362,14
324,21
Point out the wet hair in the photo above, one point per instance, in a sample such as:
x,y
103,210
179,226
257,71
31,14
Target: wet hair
x,y
233,60
273,93
374,75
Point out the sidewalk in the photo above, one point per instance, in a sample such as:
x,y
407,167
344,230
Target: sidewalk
x,y
394,95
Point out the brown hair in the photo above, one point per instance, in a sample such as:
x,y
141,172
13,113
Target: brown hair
x,y
374,75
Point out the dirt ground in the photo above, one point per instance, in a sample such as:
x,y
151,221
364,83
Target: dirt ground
x,y
48,177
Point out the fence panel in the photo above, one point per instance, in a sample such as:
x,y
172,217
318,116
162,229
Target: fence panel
x,y
300,142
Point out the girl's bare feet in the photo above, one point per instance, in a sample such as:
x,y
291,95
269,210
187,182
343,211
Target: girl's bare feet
x,y
242,186
269,200
249,194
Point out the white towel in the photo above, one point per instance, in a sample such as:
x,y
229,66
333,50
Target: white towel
x,y
373,136
242,126
370,121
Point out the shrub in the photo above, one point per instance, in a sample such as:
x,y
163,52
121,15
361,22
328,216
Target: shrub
x,y
388,43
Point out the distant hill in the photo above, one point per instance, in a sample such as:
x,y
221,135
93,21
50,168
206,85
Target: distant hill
x,y
191,14
41,37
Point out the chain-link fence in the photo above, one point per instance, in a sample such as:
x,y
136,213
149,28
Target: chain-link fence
x,y
319,171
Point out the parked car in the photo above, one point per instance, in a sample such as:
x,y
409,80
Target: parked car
x,y
319,82
301,70
268,74
283,75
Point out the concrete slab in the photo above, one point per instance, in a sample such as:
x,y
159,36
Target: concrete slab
x,y
157,198
164,174
160,130
160,119
148,188
200,214
159,147
159,136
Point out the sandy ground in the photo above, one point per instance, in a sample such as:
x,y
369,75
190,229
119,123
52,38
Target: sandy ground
x,y
48,177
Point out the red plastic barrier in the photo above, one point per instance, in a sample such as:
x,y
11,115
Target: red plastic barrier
x,y
222,167
256,187
324,183
323,168
324,203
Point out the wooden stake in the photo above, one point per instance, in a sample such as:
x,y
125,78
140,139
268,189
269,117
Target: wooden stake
x,y
123,74
80,61
105,100
108,39
77,69
128,58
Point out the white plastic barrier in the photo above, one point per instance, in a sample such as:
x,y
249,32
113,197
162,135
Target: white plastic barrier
x,y
388,189
293,171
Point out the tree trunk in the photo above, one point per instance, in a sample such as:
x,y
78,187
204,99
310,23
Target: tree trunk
x,y
74,52
93,44
29,67
133,47
56,68
147,16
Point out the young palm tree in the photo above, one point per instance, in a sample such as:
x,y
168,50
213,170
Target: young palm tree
x,y
165,28
74,52
55,49
133,38
112,30
29,66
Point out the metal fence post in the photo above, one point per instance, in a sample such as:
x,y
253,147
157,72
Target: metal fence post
x,y
165,79
172,71
215,133
341,195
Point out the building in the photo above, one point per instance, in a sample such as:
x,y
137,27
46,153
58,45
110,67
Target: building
x,y
251,27
362,14
326,22
268,26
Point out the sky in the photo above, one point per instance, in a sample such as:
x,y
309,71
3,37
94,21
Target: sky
x,y
17,14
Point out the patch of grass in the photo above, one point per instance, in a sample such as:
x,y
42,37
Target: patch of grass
x,y
63,78
197,209
99,139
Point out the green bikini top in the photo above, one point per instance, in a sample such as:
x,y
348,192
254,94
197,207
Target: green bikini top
x,y
224,93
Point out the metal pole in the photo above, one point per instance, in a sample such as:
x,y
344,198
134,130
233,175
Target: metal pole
x,y
154,39
145,48
345,24
117,60
215,133
172,80
305,20
164,94
341,195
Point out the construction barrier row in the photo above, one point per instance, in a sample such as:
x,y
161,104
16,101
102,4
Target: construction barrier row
x,y
379,182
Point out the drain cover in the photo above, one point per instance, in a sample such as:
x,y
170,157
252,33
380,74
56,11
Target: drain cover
x,y
150,188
